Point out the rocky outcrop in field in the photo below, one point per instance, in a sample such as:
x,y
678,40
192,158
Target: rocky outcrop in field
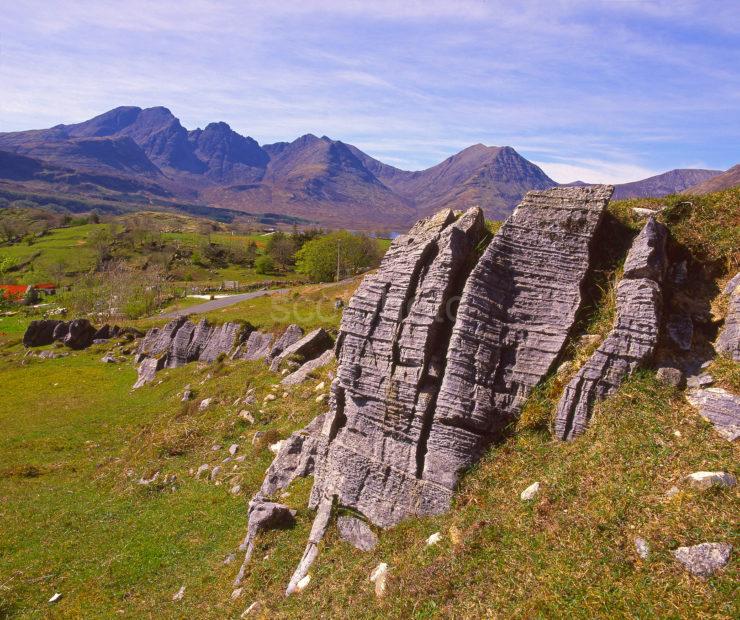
x,y
633,339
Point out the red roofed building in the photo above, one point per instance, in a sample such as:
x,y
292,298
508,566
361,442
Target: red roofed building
x,y
13,292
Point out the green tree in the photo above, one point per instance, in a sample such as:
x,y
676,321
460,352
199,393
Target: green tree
x,y
282,250
337,255
264,264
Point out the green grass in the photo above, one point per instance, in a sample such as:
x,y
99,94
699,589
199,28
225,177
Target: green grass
x,y
74,440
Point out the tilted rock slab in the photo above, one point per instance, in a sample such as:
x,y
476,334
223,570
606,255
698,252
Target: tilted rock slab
x,y
719,407
300,375
516,312
391,353
633,339
40,333
256,347
307,348
729,338
180,342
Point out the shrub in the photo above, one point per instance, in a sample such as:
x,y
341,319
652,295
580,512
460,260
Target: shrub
x,y
337,255
264,264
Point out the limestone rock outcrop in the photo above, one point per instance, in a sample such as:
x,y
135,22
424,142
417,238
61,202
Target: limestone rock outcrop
x,y
720,408
307,348
306,369
632,340
180,342
729,338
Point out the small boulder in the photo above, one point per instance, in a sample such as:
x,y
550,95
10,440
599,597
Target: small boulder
x,y
670,376
434,539
642,548
303,583
530,492
357,533
707,479
80,334
40,333
187,394
204,404
179,595
705,559
380,578
700,381
202,470
233,448
215,472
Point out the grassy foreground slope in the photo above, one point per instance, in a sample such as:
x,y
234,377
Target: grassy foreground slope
x,y
74,442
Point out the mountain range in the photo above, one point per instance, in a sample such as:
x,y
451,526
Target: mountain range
x,y
146,157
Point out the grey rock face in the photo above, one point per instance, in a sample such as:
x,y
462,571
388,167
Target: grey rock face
x,y
263,515
357,533
61,330
40,333
705,559
680,330
719,407
147,369
300,375
516,311
729,338
307,348
290,336
80,334
391,359
647,256
256,347
632,340
181,342
295,459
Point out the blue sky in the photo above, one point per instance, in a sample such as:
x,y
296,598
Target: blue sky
x,y
599,90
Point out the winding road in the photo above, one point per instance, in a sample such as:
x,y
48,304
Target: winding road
x,y
223,302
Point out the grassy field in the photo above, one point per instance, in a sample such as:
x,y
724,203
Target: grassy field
x,y
75,440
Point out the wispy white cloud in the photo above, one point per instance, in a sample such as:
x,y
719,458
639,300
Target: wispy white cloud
x,y
608,91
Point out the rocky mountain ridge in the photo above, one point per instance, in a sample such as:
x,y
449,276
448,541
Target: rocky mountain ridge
x,y
145,156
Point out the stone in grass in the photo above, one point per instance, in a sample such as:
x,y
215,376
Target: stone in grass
x,y
187,394
303,583
215,472
700,381
380,578
236,594
202,470
357,533
179,595
642,547
706,479
530,492
434,539
252,609
705,559
55,597
204,404
670,376
229,559
233,448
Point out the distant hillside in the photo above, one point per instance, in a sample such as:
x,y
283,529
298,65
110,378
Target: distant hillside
x,y
726,180
147,152
671,182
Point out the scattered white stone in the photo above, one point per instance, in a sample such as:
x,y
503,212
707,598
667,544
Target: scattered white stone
x,y
146,481
216,447
434,539
275,448
642,548
202,470
379,577
55,597
187,393
215,472
252,609
705,559
179,595
233,448
241,458
229,559
321,398
319,387
246,416
285,394
676,433
530,492
236,489
707,479
270,398
257,436
672,492
204,404
285,372
226,460
236,594
303,583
